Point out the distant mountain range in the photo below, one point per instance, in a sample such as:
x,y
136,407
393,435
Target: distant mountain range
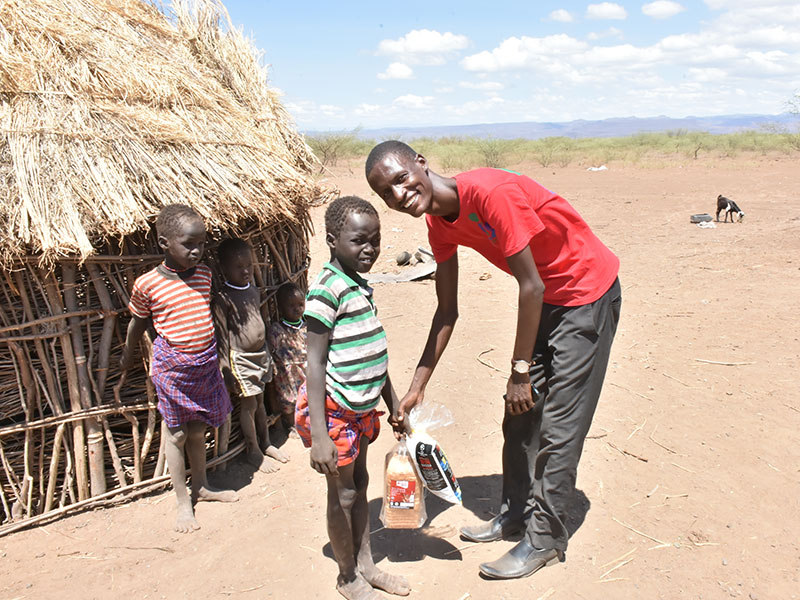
x,y
618,127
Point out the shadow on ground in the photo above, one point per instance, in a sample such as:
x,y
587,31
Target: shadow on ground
x,y
481,496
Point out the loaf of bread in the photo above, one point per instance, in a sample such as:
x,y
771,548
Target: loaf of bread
x,y
403,506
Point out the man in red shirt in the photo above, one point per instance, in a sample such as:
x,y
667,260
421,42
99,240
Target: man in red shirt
x,y
569,303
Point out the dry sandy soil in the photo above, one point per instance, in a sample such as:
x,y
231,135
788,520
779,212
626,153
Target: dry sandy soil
x,y
689,486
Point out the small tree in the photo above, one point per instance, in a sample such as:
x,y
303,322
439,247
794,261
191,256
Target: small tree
x,y
492,150
330,147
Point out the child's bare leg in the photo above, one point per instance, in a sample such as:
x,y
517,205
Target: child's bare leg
x,y
263,433
247,422
287,419
196,449
173,448
341,499
394,584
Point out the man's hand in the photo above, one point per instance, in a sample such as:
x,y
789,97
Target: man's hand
x,y
324,456
409,401
518,396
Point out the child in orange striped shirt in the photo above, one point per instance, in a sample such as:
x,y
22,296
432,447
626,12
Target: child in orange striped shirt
x,y
175,298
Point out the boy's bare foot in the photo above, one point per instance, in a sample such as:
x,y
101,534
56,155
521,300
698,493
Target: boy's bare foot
x,y
186,523
261,462
292,433
357,589
393,584
276,453
268,465
207,494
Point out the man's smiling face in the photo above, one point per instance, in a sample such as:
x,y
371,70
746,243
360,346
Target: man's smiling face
x,y
403,183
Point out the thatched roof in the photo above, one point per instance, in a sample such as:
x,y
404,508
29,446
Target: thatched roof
x,y
109,109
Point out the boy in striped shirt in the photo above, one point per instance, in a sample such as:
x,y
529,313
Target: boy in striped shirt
x,y
347,375
184,369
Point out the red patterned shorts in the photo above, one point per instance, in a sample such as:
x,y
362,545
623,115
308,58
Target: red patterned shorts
x,y
345,427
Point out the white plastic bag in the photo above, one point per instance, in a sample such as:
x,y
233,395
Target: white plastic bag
x,y
429,459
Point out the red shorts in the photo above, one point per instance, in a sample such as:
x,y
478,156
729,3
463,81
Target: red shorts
x,y
345,427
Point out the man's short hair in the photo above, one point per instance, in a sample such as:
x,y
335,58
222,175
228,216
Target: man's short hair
x,y
394,147
231,247
341,208
172,216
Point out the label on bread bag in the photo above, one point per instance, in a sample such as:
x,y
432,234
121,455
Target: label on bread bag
x,y
401,493
436,471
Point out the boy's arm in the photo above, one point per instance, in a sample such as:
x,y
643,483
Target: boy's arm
x,y
219,310
136,329
393,404
444,320
529,312
324,455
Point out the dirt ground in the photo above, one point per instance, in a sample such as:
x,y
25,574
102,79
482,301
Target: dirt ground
x,y
689,486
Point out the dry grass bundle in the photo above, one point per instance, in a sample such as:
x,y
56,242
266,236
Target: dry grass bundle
x,y
108,111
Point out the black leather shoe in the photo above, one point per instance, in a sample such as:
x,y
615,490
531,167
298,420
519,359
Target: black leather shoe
x,y
496,529
522,560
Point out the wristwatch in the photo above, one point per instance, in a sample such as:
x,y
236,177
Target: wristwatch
x,y
519,366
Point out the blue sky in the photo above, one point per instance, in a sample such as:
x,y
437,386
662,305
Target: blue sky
x,y
342,65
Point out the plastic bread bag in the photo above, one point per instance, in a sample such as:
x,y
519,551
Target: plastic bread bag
x,y
403,497
428,456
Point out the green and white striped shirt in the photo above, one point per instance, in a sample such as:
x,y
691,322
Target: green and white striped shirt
x,y
358,359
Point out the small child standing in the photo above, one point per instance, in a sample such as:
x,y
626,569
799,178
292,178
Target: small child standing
x,y
184,369
347,376
287,342
244,358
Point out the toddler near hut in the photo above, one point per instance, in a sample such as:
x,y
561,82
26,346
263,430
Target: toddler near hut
x,y
184,369
244,357
347,375
287,342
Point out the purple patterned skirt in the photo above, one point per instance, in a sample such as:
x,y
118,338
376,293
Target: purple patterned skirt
x,y
189,386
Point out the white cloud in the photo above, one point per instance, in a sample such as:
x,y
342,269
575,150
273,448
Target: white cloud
x,y
707,75
524,52
662,9
413,101
487,86
367,109
599,35
424,46
397,70
606,10
561,15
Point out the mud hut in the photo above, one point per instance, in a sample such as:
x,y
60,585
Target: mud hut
x,y
110,109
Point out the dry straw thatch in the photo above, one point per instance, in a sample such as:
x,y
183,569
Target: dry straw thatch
x,y
109,110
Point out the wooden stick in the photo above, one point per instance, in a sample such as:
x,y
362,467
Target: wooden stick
x,y
726,364
487,364
638,428
684,468
623,451
631,391
676,379
454,550
623,557
141,487
649,537
112,450
657,443
50,290
612,569
76,416
53,471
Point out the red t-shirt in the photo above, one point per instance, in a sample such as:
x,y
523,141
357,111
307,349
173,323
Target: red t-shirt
x,y
501,212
